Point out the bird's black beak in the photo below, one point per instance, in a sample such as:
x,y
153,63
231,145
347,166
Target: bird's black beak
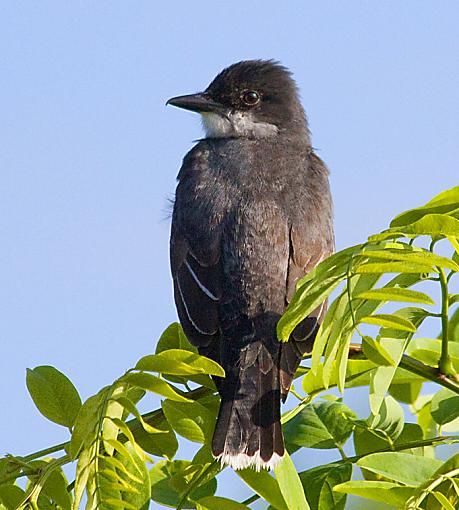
x,y
200,103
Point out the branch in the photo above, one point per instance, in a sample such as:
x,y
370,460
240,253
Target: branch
x,y
415,367
430,373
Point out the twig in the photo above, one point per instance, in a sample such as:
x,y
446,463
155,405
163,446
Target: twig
x,y
445,364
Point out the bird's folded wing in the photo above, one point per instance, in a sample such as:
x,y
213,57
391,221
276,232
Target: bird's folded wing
x,y
197,288
305,254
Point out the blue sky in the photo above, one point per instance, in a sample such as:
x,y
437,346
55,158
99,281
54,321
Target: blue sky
x,y
89,154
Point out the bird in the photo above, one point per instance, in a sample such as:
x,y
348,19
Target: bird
x,y
252,214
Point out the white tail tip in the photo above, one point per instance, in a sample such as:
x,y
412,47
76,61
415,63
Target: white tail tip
x,y
243,461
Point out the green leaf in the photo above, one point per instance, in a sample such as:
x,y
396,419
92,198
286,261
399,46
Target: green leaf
x,y
389,420
313,289
389,321
290,484
446,469
375,352
302,304
219,503
381,378
179,362
385,492
313,383
342,332
421,258
335,265
455,243
434,225
329,334
319,425
394,341
367,440
11,496
413,314
130,408
161,445
401,376
445,406
393,267
170,480
426,422
451,464
442,499
113,409
453,328
397,294
411,432
55,487
342,357
428,350
265,486
174,338
406,393
443,203
54,395
319,482
337,328
85,423
452,426
203,455
82,476
8,468
400,467
154,384
431,209
140,491
191,419
323,336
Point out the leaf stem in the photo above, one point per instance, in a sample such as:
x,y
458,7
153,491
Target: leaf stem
x,y
13,474
445,364
349,296
252,498
341,452
45,451
34,491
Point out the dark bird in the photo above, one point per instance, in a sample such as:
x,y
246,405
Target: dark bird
x,y
252,215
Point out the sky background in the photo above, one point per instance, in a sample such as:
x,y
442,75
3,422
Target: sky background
x,y
89,154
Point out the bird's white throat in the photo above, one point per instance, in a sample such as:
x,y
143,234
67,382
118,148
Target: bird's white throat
x,y
236,124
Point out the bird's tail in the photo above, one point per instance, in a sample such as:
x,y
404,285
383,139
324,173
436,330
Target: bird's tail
x,y
248,430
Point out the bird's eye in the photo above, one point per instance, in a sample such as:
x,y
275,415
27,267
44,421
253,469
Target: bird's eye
x,y
250,97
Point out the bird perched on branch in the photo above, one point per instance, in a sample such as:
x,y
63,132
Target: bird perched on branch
x,y
252,215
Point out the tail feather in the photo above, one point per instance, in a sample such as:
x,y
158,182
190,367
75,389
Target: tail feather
x,y
248,430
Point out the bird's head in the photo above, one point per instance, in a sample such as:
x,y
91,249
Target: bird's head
x,y
253,98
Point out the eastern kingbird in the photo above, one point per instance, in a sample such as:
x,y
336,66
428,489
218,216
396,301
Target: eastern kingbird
x,y
252,215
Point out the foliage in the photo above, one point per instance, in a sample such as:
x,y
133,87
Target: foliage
x,y
124,459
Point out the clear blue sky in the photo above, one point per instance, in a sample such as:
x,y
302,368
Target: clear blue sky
x,y
89,155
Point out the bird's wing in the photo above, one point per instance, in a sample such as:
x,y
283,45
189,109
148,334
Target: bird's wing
x,y
197,278
310,243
